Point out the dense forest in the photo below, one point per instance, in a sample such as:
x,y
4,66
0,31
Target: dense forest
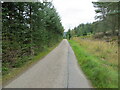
x,y
28,28
107,14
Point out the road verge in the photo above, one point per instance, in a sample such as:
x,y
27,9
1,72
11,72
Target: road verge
x,y
15,72
98,71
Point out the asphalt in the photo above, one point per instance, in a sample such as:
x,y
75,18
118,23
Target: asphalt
x,y
59,69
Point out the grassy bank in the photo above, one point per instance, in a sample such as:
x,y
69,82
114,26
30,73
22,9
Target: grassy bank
x,y
17,71
98,60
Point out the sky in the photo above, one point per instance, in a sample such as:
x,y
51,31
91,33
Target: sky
x,y
74,12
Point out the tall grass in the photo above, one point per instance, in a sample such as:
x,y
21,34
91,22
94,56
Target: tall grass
x,y
106,51
102,72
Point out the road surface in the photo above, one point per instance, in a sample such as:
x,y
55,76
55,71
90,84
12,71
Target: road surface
x,y
59,69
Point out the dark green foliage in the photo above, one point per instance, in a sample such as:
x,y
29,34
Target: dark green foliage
x,y
82,30
69,34
107,15
28,28
107,20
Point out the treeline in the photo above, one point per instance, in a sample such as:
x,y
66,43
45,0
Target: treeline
x,y
107,14
27,29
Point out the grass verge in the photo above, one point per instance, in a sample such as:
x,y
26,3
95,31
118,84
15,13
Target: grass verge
x,y
100,72
17,71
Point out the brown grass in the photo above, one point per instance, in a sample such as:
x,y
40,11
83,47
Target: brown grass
x,y
104,50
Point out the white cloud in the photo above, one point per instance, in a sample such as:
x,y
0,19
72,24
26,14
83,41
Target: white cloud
x,y
74,12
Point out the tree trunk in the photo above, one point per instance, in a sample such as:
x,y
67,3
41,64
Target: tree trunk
x,y
32,48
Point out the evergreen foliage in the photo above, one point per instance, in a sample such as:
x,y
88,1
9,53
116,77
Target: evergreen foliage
x,y
28,28
106,20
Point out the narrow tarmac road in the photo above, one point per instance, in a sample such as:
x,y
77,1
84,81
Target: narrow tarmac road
x,y
59,69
